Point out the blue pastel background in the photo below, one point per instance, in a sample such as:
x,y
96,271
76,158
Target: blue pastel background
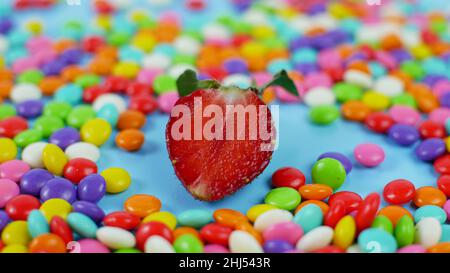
x,y
300,142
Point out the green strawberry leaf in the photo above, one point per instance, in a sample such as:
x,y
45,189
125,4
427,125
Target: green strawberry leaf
x,y
282,79
188,83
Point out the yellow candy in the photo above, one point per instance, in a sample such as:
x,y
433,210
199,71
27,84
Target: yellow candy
x,y
421,51
144,42
162,216
339,11
2,62
34,26
54,159
96,131
126,69
138,15
344,232
257,210
55,207
375,100
263,32
104,22
447,143
117,179
15,249
16,233
8,149
252,50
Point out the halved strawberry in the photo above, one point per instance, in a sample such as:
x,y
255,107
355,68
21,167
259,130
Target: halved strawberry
x,y
211,169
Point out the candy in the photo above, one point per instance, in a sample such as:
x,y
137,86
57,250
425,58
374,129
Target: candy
x,y
116,238
284,198
13,169
164,217
345,161
430,211
428,232
130,140
146,230
37,224
113,99
404,231
64,137
47,243
60,227
8,190
83,225
399,191
121,219
83,150
309,217
352,200
55,207
344,232
24,92
384,223
315,239
271,217
374,240
196,218
54,159
91,188
16,233
429,196
117,179
315,192
20,206
323,114
131,119
96,131
430,149
89,209
157,244
142,205
78,168
369,155
329,171
8,150
90,246
243,242
404,135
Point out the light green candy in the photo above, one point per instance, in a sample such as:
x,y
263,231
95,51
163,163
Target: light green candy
x,y
27,137
404,231
329,171
347,91
6,111
48,124
324,114
57,109
188,243
284,198
382,222
31,76
128,250
164,83
80,115
88,80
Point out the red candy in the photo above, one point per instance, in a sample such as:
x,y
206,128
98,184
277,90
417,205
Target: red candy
x,y
351,200
442,164
20,206
288,177
138,88
12,126
78,168
379,122
152,228
59,227
443,184
195,4
329,249
92,43
145,104
216,234
335,213
431,129
116,84
367,211
122,219
93,92
399,192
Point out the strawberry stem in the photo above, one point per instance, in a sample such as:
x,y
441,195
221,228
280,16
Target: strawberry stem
x,y
282,79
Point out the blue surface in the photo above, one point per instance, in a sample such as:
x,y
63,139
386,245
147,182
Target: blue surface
x,y
300,144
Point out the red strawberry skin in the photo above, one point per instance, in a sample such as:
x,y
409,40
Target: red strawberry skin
x,y
213,169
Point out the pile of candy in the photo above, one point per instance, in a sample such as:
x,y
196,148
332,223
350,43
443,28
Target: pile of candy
x,y
387,66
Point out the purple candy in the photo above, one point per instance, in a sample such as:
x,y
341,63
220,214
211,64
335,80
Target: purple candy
x,y
277,246
33,181
89,209
300,43
92,188
401,55
29,109
59,188
4,220
403,134
430,149
306,68
235,65
71,56
339,157
65,137
53,68
431,80
6,25
445,100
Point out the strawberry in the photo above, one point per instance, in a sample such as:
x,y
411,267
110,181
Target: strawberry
x,y
213,168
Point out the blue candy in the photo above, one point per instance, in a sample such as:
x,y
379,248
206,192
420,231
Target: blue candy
x,y
309,217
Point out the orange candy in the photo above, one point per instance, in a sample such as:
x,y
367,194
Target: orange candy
x,y
166,32
361,66
429,196
394,213
142,205
390,42
268,95
130,140
109,52
315,191
230,218
6,74
440,248
355,111
70,73
101,65
322,205
5,88
131,119
47,243
50,84
63,44
185,230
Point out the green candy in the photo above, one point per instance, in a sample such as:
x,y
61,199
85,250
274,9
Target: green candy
x,y
404,99
284,198
6,111
27,137
184,59
382,222
128,250
57,109
118,38
413,69
404,231
164,83
31,76
79,115
48,124
188,243
329,171
88,80
347,91
324,114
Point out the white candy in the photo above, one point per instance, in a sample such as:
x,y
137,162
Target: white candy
x,y
358,78
187,45
113,99
242,242
410,38
354,249
4,44
316,239
271,217
390,86
324,21
157,244
25,91
319,96
32,154
176,70
301,23
116,238
241,80
83,150
255,17
216,31
159,3
156,61
428,232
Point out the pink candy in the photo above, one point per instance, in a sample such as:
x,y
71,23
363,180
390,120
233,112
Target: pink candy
x,y
167,100
286,231
13,169
89,246
147,76
329,59
214,248
39,43
412,249
369,155
23,64
404,115
441,87
440,115
8,190
316,80
446,208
